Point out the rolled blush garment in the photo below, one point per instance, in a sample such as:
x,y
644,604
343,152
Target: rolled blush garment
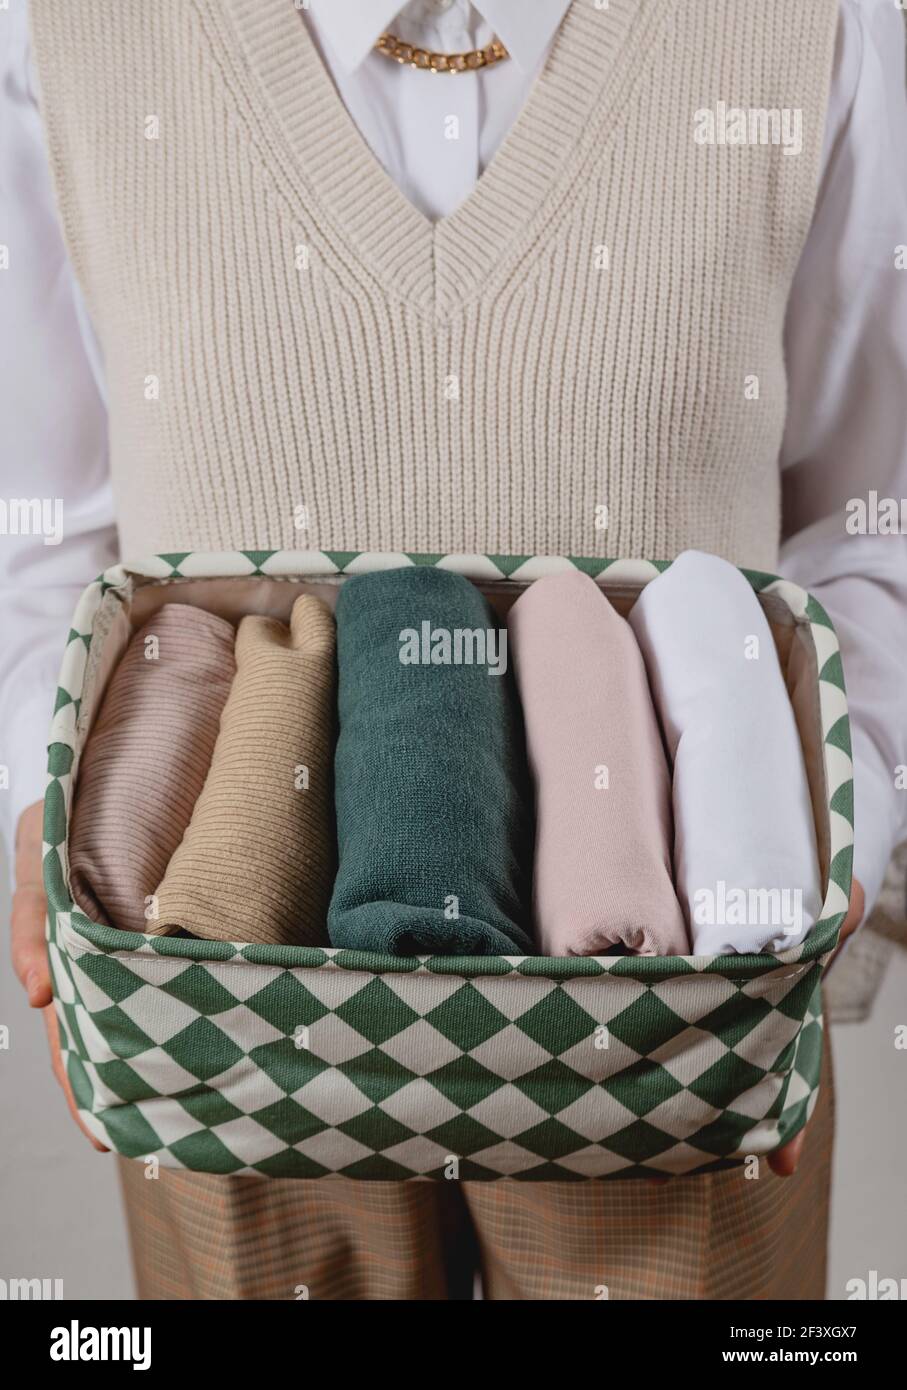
x,y
257,861
745,857
146,760
433,814
602,786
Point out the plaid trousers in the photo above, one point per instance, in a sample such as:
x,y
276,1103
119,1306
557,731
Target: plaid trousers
x,y
721,1236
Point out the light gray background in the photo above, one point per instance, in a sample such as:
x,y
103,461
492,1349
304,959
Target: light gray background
x,y
61,1215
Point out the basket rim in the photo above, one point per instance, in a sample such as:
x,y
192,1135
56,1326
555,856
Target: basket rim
x,y
80,934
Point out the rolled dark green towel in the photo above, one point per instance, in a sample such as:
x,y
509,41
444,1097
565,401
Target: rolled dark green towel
x,y
431,782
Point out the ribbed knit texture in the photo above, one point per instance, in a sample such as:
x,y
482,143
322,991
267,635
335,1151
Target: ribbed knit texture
x,y
146,760
602,786
257,861
485,384
434,822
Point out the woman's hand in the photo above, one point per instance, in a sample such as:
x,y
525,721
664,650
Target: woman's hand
x,y
29,947
784,1160
29,951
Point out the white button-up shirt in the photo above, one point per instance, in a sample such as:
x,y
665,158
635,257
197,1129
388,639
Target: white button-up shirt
x,y
846,349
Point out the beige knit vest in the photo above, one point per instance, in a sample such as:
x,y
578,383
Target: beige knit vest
x,y
585,359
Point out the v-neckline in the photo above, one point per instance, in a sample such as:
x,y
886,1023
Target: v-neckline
x,y
436,266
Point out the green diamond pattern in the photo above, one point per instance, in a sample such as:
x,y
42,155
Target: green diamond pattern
x,y
538,1069
467,1018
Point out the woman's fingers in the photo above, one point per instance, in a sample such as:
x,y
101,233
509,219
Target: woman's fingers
x,y
855,914
28,946
783,1162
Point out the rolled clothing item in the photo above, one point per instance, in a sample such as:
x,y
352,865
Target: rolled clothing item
x,y
602,787
434,817
145,761
257,861
745,856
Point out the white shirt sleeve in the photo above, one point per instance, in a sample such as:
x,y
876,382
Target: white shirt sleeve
x,y
54,445
846,347
846,433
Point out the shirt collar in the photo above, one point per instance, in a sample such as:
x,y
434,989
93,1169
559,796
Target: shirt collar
x,y
352,27
524,29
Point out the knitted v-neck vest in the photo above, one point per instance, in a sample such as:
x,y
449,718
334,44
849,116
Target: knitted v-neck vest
x,y
586,358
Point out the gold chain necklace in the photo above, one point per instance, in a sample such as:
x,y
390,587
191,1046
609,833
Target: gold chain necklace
x,y
426,61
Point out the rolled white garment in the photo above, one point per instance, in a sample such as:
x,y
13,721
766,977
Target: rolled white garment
x,y
745,859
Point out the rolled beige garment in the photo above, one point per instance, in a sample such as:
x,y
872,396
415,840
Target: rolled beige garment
x,y
146,760
602,785
257,861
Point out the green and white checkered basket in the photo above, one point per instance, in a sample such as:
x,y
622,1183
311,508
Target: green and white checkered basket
x,y
297,1062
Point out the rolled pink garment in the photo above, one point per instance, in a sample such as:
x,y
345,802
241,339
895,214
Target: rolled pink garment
x,y
603,792
146,760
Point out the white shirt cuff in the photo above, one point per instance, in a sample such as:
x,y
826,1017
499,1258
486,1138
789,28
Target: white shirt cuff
x,y
24,744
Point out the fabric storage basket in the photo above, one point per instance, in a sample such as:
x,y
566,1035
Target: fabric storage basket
x,y
307,1062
